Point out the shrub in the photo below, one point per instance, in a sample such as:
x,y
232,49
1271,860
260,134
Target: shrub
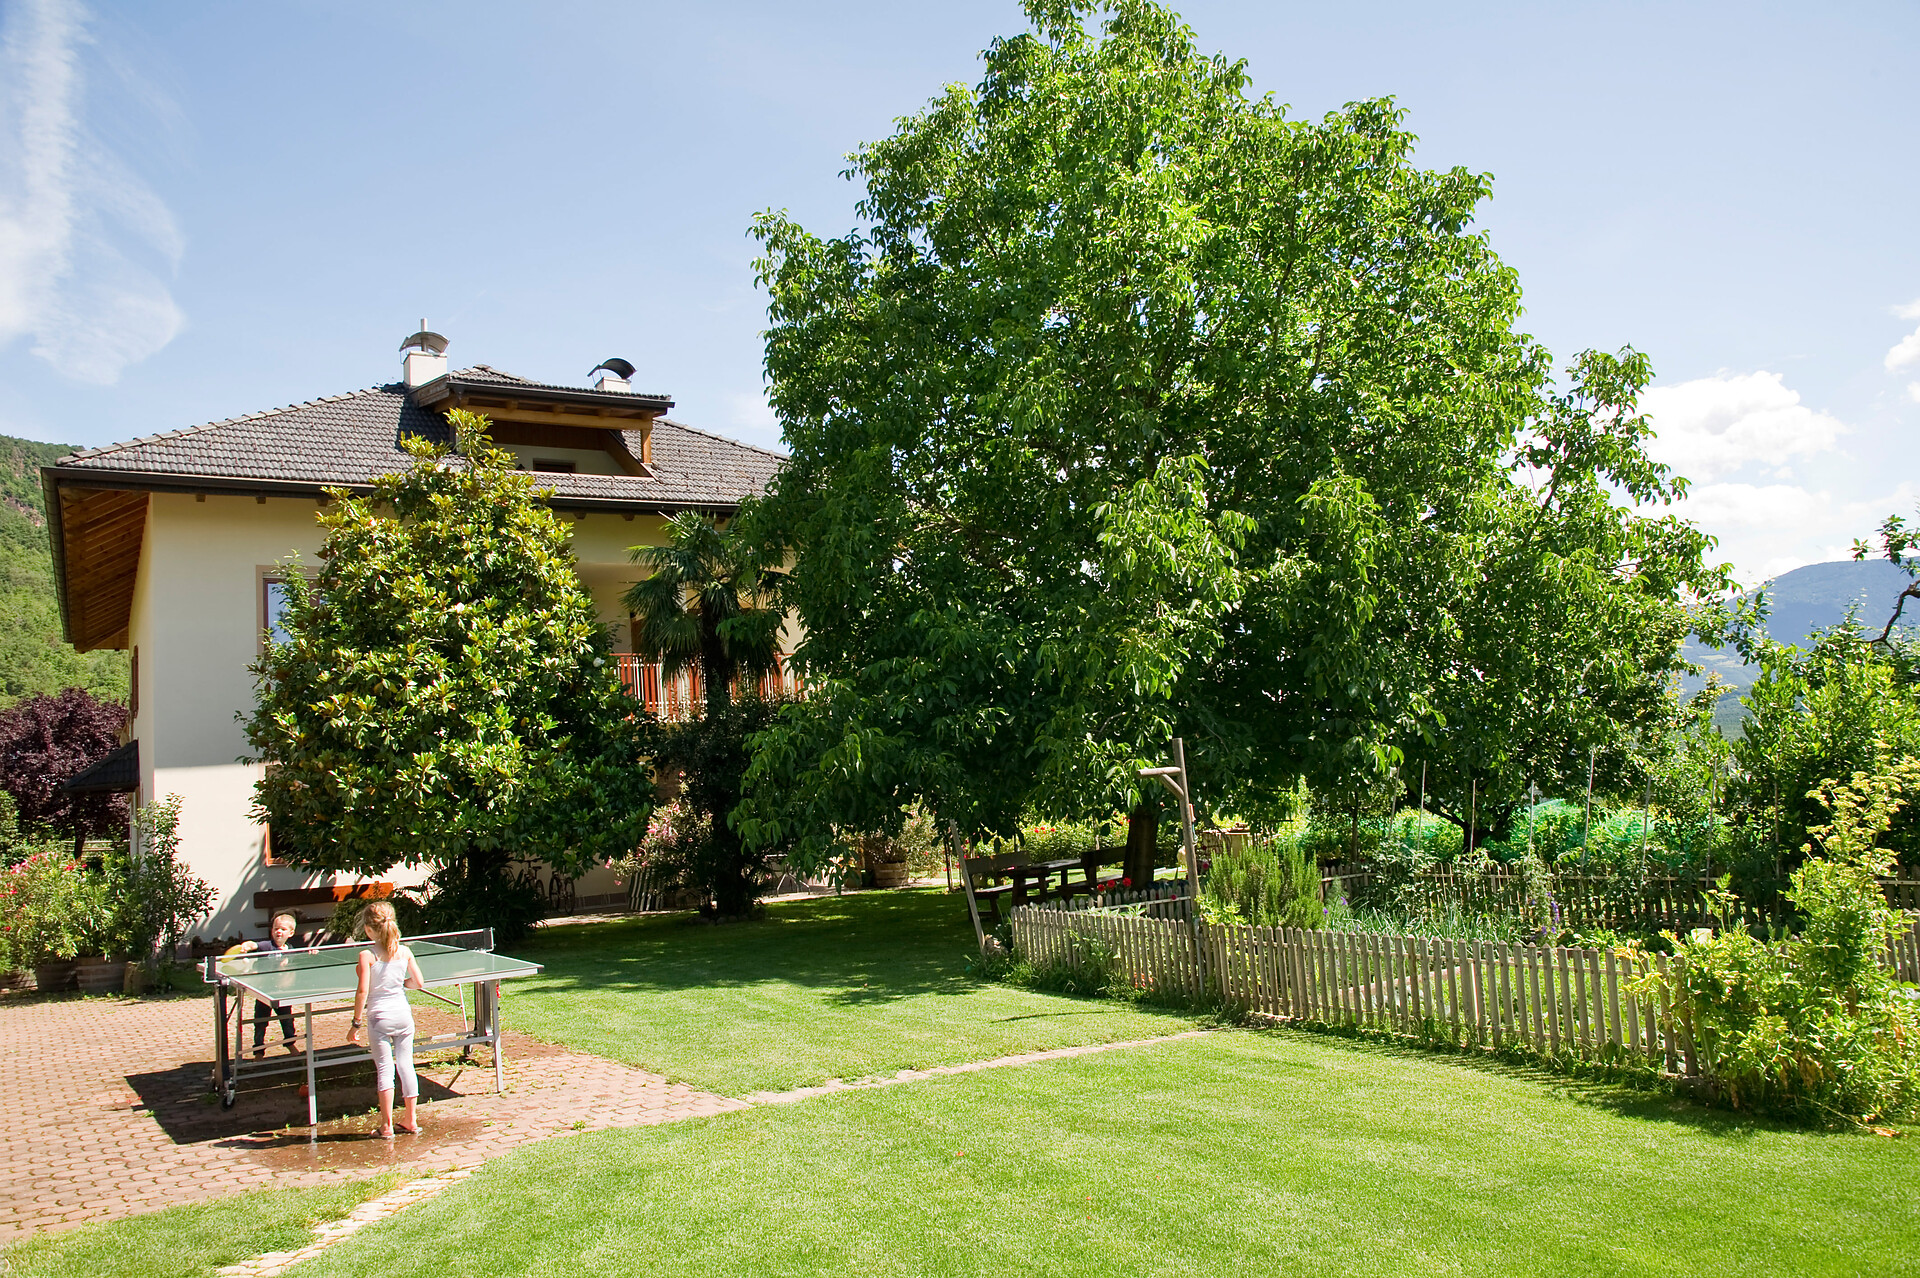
x,y
154,898
50,909
46,740
1812,1023
1267,882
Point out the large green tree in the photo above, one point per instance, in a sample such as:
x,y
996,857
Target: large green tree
x,y
443,694
1135,408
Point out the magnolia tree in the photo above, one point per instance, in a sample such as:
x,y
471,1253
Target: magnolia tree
x,y
1137,409
442,694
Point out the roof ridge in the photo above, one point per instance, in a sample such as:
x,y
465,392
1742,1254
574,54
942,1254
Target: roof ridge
x,y
727,439
104,449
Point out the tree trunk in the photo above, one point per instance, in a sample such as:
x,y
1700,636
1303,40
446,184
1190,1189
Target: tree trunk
x,y
1143,829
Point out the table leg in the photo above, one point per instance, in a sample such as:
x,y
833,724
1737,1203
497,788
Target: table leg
x,y
493,1019
220,1041
313,1092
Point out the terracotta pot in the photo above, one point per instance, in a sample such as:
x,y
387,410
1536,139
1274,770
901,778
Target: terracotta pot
x,y
53,975
890,874
100,975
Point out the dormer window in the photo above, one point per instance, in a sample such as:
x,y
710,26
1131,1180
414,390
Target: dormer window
x,y
552,466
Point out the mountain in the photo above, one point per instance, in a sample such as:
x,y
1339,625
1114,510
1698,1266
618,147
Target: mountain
x,y
1800,602
32,657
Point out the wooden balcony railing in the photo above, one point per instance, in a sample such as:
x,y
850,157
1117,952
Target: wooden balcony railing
x,y
682,696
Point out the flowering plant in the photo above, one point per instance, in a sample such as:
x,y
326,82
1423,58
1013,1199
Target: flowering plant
x,y
50,908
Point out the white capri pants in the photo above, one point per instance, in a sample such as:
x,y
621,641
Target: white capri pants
x,y
390,1038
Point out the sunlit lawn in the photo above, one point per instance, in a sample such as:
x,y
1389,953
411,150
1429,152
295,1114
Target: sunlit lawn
x,y
1236,1153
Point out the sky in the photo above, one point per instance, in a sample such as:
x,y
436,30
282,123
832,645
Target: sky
x,y
216,208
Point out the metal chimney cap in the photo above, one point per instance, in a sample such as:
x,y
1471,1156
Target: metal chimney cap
x,y
427,340
617,366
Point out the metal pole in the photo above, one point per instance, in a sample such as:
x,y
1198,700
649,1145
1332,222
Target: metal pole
x,y
313,1092
1586,826
493,1017
1473,810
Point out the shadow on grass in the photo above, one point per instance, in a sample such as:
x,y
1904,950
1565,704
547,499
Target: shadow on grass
x,y
873,948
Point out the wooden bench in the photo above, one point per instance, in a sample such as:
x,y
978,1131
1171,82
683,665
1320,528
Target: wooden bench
x,y
1009,875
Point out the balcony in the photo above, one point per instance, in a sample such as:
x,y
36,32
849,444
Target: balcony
x,y
682,696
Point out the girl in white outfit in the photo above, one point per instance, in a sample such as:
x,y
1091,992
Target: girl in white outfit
x,y
387,972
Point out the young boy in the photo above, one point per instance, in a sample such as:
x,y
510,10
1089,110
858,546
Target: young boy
x,y
282,939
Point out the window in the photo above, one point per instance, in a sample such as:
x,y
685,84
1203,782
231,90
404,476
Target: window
x,y
550,466
273,606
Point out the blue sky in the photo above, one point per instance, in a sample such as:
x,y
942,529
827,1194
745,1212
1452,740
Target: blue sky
x,y
215,208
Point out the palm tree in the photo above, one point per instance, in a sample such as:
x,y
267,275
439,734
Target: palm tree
x,y
705,604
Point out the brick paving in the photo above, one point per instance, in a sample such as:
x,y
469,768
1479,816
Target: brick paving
x,y
107,1111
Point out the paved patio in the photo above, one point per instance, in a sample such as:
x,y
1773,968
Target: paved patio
x,y
107,1111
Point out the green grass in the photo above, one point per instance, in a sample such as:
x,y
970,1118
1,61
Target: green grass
x,y
837,987
194,1240
1238,1153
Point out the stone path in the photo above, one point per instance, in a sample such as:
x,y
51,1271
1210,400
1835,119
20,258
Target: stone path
x,y
108,1110
108,1114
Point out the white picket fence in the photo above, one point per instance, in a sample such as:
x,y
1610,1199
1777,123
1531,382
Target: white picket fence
x,y
1554,1000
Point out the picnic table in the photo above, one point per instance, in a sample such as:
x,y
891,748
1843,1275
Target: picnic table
x,y
1011,875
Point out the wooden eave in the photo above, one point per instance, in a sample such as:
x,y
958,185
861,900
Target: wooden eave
x,y
96,534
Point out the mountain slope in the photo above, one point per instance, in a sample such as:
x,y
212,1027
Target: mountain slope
x,y
32,657
1800,602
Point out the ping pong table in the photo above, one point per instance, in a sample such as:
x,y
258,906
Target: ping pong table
x,y
326,974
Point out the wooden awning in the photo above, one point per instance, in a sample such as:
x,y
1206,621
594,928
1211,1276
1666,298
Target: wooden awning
x,y
96,537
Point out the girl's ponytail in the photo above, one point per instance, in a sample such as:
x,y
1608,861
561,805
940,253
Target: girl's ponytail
x,y
378,925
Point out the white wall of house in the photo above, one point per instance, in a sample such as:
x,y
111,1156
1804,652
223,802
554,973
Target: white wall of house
x,y
196,624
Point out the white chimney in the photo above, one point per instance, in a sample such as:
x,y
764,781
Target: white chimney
x,y
616,375
426,357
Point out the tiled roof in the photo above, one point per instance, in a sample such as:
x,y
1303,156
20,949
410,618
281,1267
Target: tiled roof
x,y
350,439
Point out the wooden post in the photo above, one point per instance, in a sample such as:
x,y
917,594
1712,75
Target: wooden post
x,y
966,882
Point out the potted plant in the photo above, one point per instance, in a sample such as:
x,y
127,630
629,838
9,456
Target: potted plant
x,y
51,910
886,860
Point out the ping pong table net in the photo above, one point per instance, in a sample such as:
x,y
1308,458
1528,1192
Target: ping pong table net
x,y
347,953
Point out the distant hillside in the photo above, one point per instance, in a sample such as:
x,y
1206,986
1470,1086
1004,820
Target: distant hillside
x,y
1800,602
32,657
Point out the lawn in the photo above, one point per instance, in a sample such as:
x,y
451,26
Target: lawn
x,y
1240,1151
193,1240
835,987
1237,1153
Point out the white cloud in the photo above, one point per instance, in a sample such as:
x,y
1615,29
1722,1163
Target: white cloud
x,y
1910,311
73,220
1709,427
1905,351
1767,529
1913,391
752,411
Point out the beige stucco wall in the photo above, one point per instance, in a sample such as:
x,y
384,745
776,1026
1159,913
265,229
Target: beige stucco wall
x,y
196,623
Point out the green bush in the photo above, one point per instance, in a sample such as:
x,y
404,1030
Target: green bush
x,y
51,909
1813,1023
154,897
1265,882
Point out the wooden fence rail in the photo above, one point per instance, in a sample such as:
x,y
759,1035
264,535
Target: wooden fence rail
x,y
1554,1000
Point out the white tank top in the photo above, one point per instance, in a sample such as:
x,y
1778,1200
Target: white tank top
x,y
387,983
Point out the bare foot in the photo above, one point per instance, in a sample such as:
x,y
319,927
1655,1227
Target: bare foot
x,y
385,1133
411,1131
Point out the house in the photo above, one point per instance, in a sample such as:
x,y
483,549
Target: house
x,y
171,546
